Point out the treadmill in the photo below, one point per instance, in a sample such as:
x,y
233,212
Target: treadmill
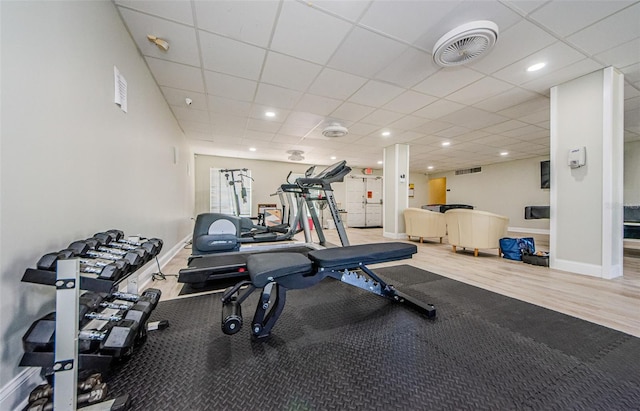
x,y
212,267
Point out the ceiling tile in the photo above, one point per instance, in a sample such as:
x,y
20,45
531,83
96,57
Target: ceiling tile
x,y
409,101
223,85
350,10
257,135
191,114
507,99
277,96
365,53
289,72
623,55
410,18
352,111
448,80
179,10
480,90
183,47
526,108
382,117
176,75
230,56
433,127
306,33
526,6
438,109
176,97
375,93
600,36
570,72
228,106
258,111
408,123
515,43
452,132
317,104
408,69
264,126
473,118
556,57
307,120
505,126
195,126
567,17
336,84
248,21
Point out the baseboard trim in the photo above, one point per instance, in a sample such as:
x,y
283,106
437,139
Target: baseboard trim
x,y
15,395
395,236
525,230
592,270
151,267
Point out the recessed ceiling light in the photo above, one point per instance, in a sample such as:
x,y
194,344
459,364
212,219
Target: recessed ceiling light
x,y
333,157
446,143
430,168
386,133
536,67
504,153
269,114
252,149
380,162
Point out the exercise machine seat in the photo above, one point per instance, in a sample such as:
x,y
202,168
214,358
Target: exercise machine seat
x,y
357,255
265,268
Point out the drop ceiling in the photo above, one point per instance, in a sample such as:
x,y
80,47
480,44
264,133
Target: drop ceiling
x,y
367,65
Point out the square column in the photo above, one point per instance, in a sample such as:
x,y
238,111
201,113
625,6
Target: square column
x,y
395,193
587,201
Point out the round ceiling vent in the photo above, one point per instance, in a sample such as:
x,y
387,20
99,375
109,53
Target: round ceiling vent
x,y
335,130
296,155
465,43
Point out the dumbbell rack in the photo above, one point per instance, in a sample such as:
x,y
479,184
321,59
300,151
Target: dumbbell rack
x,y
65,359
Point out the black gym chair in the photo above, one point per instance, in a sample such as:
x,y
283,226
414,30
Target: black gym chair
x,y
277,273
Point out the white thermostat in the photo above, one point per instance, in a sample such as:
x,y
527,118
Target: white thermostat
x,y
577,157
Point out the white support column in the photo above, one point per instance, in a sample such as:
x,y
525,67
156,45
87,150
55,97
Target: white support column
x,y
586,202
395,190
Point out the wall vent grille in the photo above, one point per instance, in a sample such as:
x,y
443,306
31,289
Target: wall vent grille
x,y
469,171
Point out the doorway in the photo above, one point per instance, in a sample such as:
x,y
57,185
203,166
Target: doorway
x,y
364,202
437,191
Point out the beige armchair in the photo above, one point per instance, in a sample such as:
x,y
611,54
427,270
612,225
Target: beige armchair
x,y
424,223
475,229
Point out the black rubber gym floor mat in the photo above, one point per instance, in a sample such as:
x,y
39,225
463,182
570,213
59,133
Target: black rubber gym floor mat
x,y
336,347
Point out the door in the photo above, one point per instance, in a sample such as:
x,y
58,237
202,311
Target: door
x,y
364,202
437,191
373,203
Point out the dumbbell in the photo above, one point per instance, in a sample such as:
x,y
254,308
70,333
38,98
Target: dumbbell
x,y
97,394
150,296
46,390
91,248
116,339
154,245
107,270
138,311
109,239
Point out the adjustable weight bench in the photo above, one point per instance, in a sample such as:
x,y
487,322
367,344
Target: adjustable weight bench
x,y
277,273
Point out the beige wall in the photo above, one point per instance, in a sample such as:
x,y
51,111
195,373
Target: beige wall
x,y
72,163
632,173
503,188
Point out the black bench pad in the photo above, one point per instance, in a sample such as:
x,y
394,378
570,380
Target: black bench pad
x,y
264,268
353,256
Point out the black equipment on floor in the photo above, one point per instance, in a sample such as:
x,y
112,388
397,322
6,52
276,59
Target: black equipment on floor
x,y
277,273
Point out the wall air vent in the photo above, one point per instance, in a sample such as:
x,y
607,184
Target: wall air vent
x,y
469,171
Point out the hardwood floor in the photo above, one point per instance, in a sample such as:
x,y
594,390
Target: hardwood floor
x,y
611,303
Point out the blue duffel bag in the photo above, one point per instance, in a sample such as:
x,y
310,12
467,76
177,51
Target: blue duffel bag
x,y
512,248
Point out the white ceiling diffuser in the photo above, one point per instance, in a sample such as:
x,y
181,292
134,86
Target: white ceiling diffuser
x,y
465,43
296,155
335,130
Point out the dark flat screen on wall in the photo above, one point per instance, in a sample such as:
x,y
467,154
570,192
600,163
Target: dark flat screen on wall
x,y
545,174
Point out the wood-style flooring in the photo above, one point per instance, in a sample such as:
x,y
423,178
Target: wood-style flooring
x,y
611,303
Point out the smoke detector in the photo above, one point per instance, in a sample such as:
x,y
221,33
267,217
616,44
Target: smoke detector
x,y
335,130
296,155
465,43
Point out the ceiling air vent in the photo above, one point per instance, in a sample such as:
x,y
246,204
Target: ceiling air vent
x,y
465,43
469,171
296,155
335,130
